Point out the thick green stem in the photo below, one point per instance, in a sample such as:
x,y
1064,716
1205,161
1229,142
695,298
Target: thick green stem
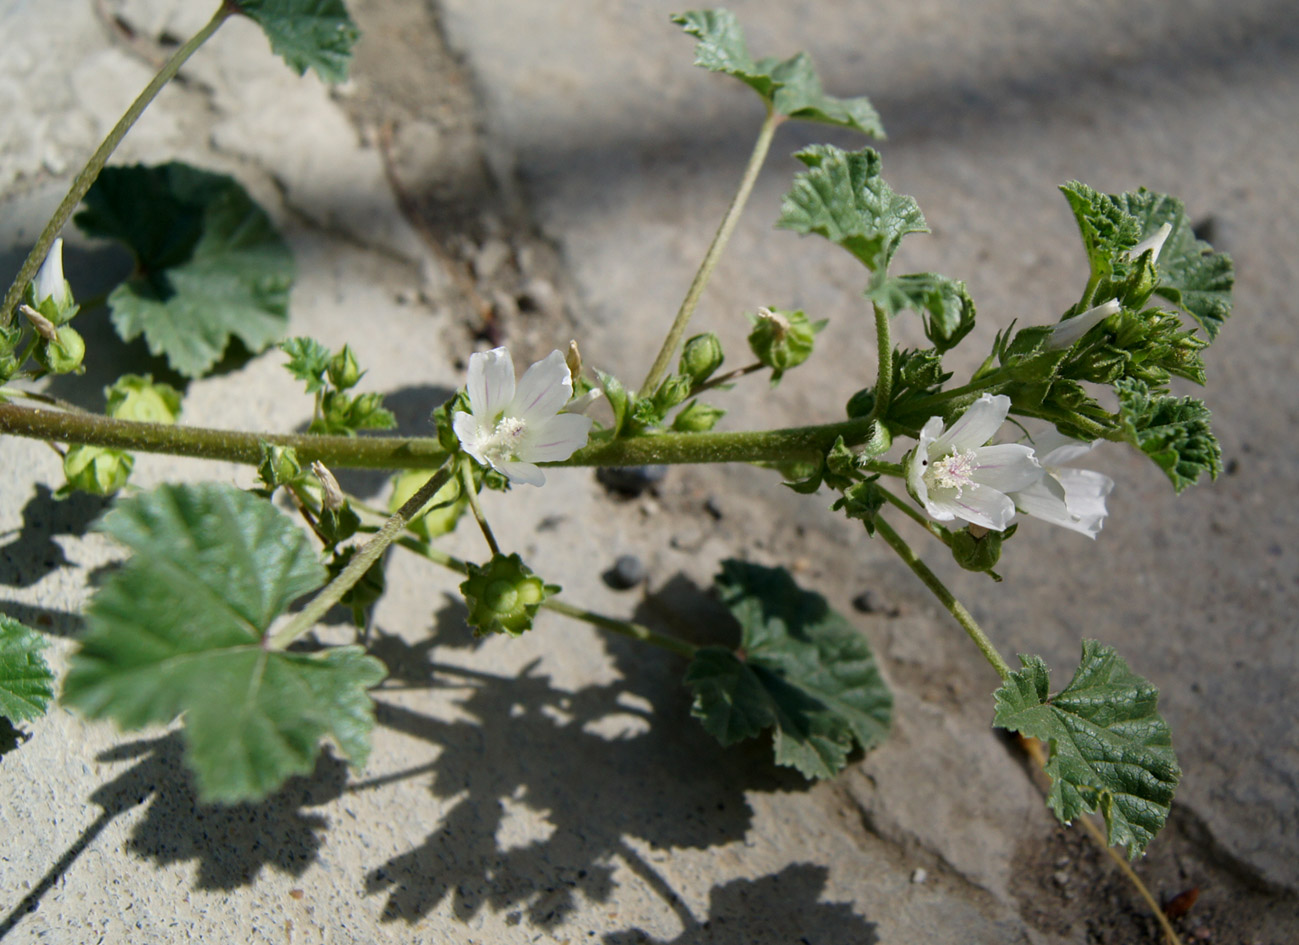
x,y
96,163
945,597
361,562
884,378
388,452
722,237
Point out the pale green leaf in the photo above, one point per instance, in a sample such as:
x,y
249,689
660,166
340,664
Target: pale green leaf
x,y
181,629
307,34
944,303
843,198
791,86
209,264
26,683
1173,431
801,669
308,361
1110,750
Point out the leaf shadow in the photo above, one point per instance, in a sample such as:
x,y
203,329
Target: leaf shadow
x,y
33,553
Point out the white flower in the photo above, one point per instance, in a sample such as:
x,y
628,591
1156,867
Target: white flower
x,y
1155,241
511,428
49,282
955,476
1064,334
1072,498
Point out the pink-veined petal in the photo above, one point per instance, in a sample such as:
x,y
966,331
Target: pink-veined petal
x,y
1007,467
543,390
558,437
491,383
469,431
525,473
980,422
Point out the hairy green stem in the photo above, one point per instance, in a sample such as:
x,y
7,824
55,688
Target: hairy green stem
x,y
884,378
96,163
722,237
361,562
467,480
945,597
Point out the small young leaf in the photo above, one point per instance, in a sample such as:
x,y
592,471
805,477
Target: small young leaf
x,y
181,629
307,34
209,263
1172,431
843,198
1191,275
791,86
945,304
1110,750
1108,230
26,683
308,361
800,668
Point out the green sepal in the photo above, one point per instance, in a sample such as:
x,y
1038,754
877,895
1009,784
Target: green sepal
x,y
95,469
801,669
343,371
139,397
781,339
862,501
209,263
1172,431
621,402
503,595
344,413
279,466
697,417
440,514
944,304
26,681
306,34
443,416
63,354
1110,750
841,467
791,86
701,356
978,552
843,198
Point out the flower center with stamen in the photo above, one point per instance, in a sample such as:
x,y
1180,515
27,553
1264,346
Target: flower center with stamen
x,y
952,472
506,440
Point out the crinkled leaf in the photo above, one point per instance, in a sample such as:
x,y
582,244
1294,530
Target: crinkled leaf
x,y
180,629
307,34
801,669
1108,230
209,263
26,683
1173,431
791,86
843,198
944,303
308,361
1110,750
1191,275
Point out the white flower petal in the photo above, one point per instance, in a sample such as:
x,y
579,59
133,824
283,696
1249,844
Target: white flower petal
x,y
49,280
977,504
491,382
584,403
1006,467
1085,490
1154,241
981,420
1040,501
525,473
543,390
558,437
470,433
1064,334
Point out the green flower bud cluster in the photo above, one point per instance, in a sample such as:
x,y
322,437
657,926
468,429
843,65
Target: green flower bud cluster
x,y
503,595
330,376
100,470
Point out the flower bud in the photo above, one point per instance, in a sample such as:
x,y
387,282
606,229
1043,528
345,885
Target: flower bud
x,y
49,293
64,354
573,358
136,397
331,494
503,596
697,417
979,552
701,356
782,340
279,465
343,370
96,469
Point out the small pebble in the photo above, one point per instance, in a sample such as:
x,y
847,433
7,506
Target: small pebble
x,y
630,480
626,573
920,875
1061,878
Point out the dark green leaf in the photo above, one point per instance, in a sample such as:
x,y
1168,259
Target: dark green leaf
x,y
1191,275
944,303
800,668
791,86
1172,431
843,198
26,683
307,34
181,629
1110,750
209,263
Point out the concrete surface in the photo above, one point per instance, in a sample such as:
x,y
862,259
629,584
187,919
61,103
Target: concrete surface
x,y
534,172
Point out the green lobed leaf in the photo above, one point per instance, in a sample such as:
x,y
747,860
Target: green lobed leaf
x,y
209,263
843,198
1110,750
1172,431
801,669
1191,275
791,86
307,34
181,629
944,303
1108,230
26,683
308,361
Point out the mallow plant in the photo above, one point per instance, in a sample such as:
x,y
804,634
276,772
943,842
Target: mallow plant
x,y
198,622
